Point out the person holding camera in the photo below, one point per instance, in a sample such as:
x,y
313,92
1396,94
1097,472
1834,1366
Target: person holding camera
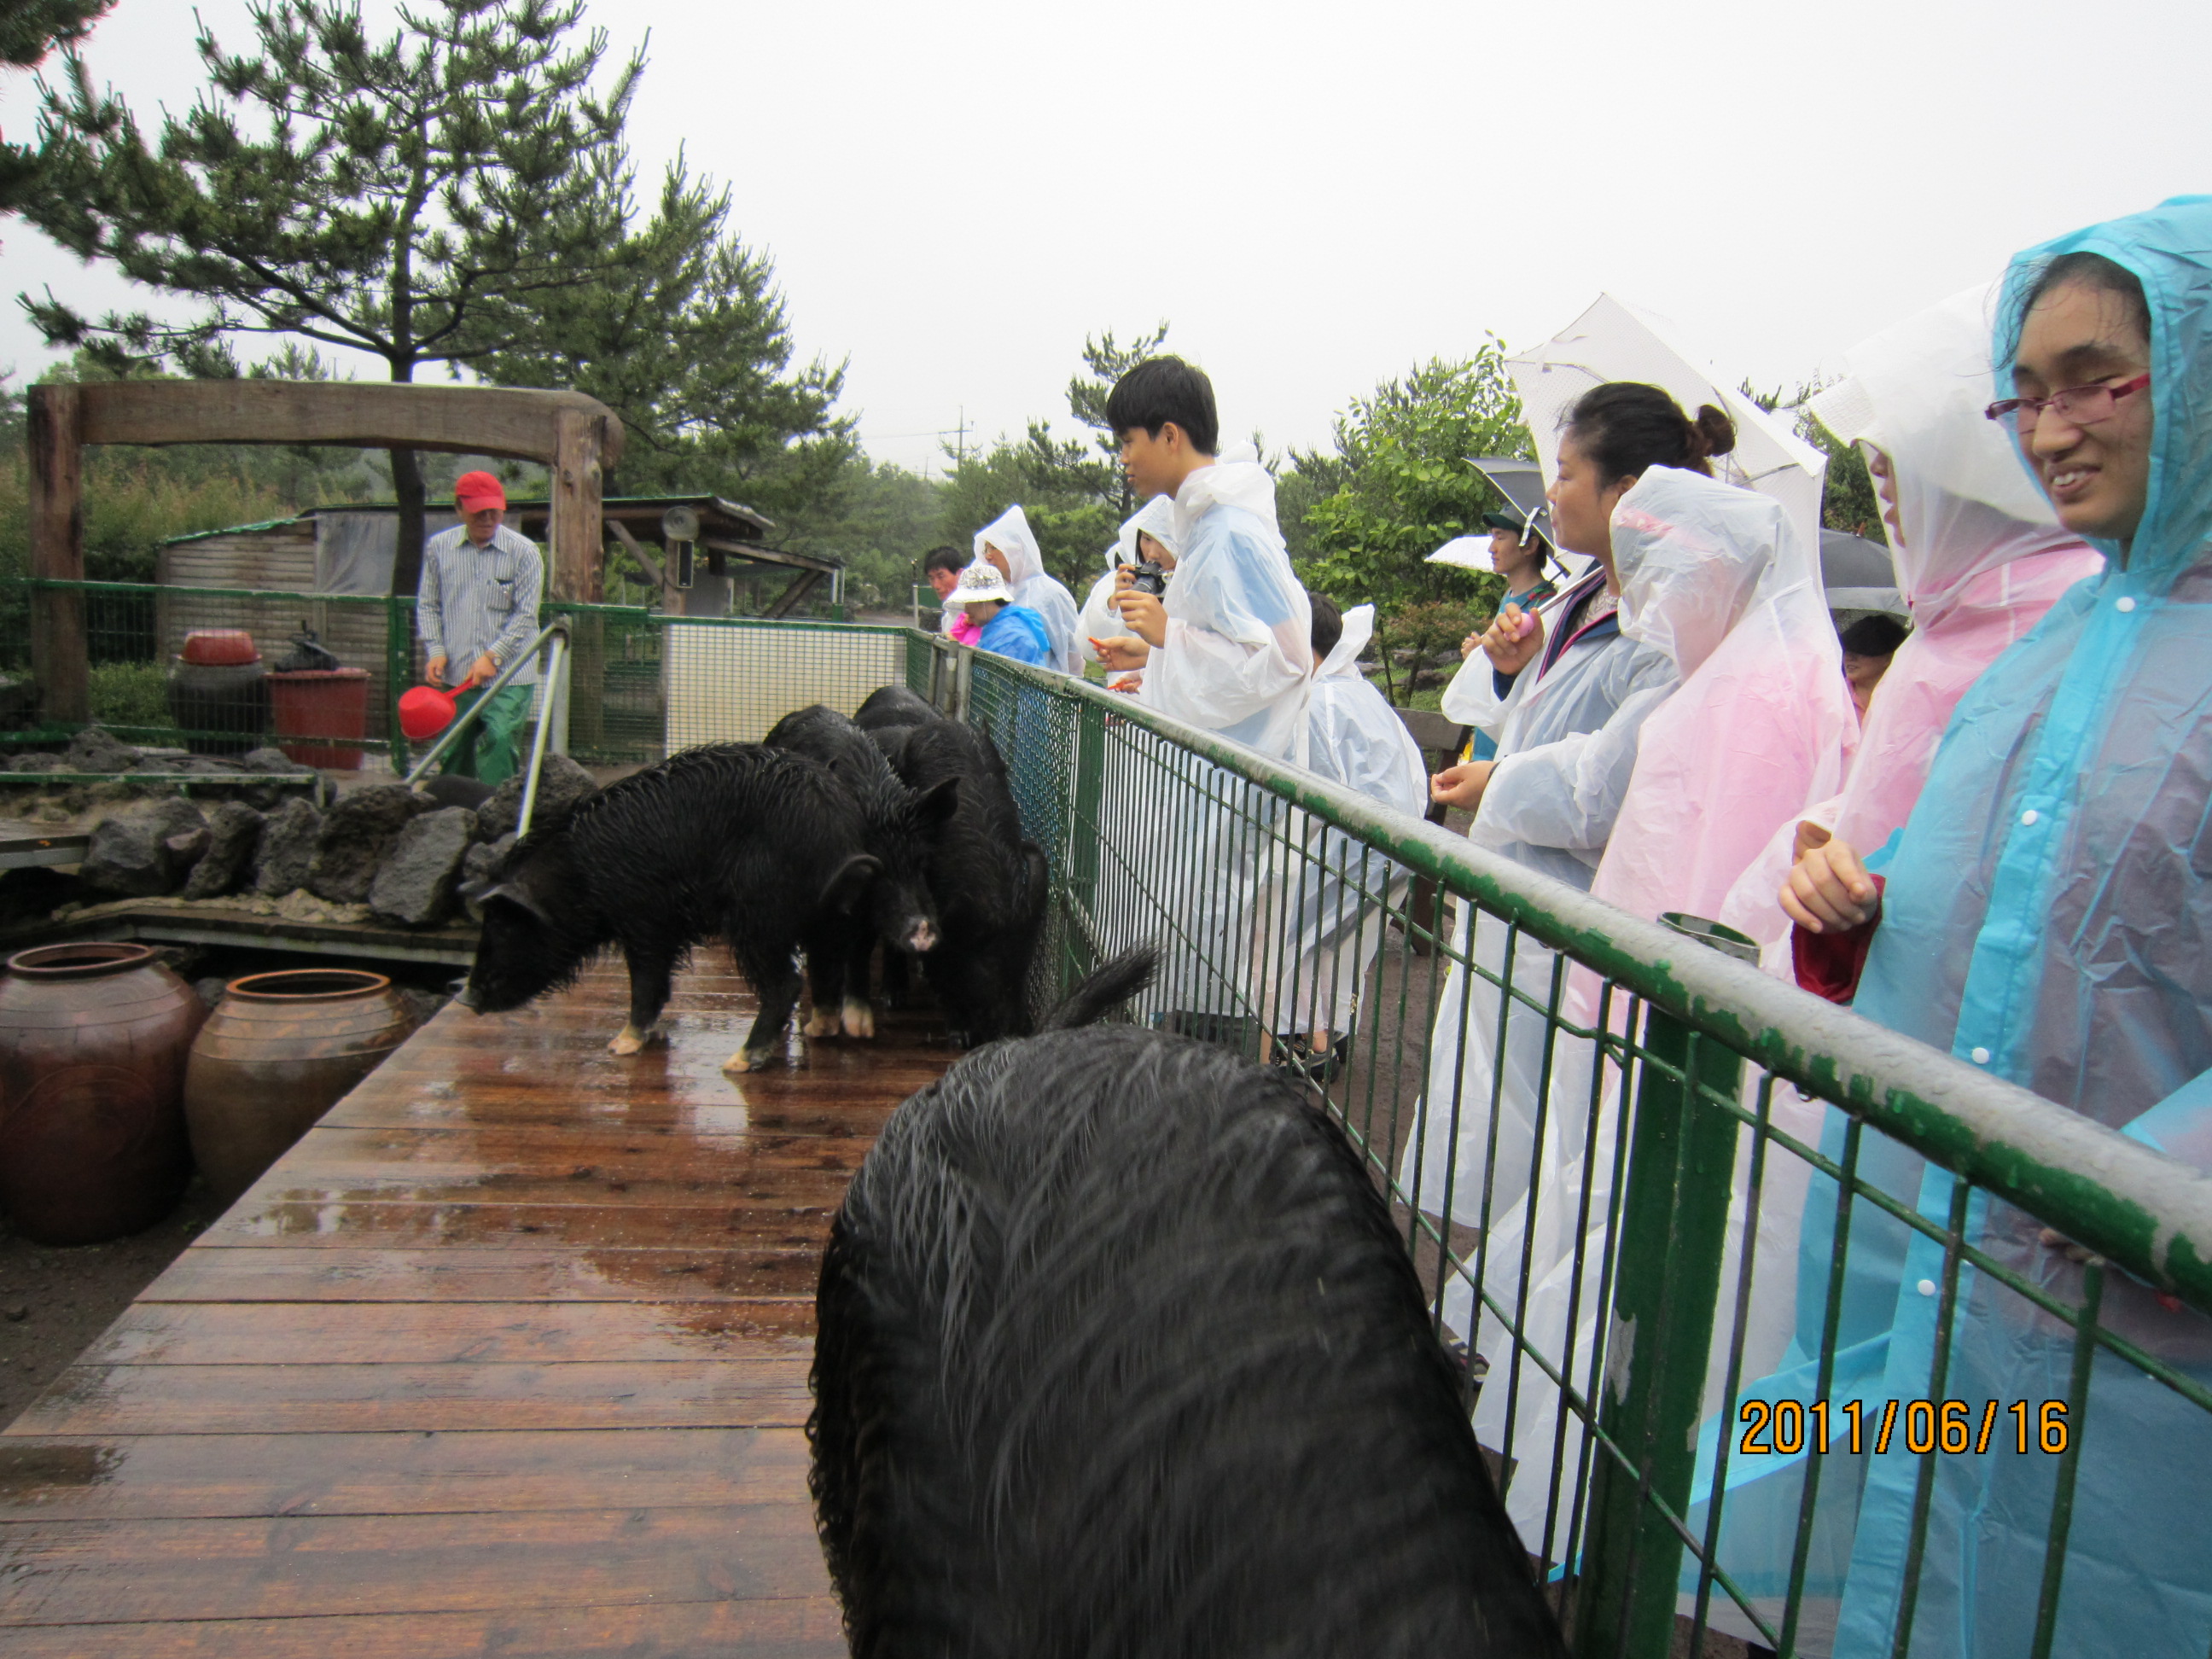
x,y
1147,548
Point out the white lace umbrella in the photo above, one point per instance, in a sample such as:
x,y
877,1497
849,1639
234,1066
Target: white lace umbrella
x,y
1614,341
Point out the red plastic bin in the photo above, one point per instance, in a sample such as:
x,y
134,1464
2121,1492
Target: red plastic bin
x,y
320,703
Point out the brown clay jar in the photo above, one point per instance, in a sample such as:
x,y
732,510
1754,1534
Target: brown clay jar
x,y
280,1051
92,1043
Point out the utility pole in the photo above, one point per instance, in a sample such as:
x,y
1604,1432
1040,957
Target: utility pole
x,y
960,448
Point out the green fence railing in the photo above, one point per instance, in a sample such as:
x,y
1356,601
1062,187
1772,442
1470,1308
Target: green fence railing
x,y
1673,1208
1653,1188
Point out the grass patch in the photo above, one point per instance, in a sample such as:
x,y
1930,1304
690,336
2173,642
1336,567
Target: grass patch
x,y
134,694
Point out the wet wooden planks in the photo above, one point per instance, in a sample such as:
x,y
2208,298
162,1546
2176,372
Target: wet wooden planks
x,y
508,1355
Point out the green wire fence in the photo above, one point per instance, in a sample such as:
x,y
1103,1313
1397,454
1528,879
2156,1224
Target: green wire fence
x,y
1668,1204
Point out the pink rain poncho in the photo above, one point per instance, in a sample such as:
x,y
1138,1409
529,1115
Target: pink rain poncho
x,y
1720,580
1979,559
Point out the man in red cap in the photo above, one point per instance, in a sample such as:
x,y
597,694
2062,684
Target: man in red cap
x,y
477,607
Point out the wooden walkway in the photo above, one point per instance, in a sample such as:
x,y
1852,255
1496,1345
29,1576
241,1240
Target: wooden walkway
x,y
507,1355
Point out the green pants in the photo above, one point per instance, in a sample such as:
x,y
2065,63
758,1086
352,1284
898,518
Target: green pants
x,y
487,754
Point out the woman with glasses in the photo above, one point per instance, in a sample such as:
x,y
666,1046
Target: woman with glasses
x,y
2045,918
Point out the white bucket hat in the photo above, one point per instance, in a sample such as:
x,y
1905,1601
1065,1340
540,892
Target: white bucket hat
x,y
980,584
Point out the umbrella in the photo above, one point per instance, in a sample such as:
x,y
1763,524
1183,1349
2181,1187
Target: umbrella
x,y
1614,341
1858,575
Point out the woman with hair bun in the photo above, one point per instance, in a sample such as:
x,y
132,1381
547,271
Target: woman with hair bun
x,y
1576,693
1750,724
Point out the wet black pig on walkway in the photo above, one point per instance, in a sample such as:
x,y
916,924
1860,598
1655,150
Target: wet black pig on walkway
x,y
750,844
1117,1354
988,881
897,825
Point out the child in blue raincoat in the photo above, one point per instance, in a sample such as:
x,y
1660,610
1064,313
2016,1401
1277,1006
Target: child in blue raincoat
x,y
1008,629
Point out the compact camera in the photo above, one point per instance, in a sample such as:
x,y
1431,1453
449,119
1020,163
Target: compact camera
x,y
1150,578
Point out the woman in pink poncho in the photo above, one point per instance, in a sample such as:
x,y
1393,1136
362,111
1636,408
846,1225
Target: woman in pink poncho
x,y
1979,559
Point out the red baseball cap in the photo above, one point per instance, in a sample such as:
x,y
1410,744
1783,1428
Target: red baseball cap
x,y
474,491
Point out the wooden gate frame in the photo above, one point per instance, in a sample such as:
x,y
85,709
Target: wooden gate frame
x,y
575,436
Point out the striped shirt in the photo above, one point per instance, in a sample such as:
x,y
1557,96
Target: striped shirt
x,y
475,600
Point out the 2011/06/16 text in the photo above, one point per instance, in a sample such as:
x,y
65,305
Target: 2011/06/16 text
x,y
1787,1427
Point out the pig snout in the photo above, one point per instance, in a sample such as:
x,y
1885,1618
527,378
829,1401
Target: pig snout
x,y
920,936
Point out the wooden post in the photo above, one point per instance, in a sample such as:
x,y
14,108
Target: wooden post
x,y
59,660
579,555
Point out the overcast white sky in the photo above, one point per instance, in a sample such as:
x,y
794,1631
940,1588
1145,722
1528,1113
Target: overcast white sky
x,y
1318,197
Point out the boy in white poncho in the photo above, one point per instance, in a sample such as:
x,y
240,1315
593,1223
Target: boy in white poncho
x,y
1008,543
1227,648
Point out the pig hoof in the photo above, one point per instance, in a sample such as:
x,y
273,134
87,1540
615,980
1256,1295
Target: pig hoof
x,y
821,1023
745,1061
859,1020
629,1041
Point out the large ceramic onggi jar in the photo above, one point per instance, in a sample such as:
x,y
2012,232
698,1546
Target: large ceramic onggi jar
x,y
280,1051
93,1043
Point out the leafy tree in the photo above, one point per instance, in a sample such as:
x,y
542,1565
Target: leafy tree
x,y
1074,494
1400,483
693,349
29,29
403,197
1847,495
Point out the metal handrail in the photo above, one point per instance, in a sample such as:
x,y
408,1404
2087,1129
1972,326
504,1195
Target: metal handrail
x,y
2147,1213
555,633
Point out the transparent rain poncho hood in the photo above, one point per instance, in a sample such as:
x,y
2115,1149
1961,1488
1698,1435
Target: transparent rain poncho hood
x,y
1054,605
1099,621
1720,580
2046,917
1979,555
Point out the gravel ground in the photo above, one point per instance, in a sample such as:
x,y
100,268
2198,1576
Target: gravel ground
x,y
55,1301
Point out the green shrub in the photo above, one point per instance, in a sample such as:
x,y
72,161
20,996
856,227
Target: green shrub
x,y
131,694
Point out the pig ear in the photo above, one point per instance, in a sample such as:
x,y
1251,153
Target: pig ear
x,y
513,893
936,804
850,881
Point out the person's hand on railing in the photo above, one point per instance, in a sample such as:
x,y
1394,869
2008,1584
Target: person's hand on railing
x,y
1122,654
1828,886
434,671
1512,641
1461,786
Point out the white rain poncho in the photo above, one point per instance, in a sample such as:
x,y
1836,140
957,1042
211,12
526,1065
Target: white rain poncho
x,y
1472,698
1359,741
1239,648
1236,660
1566,748
2046,917
1054,605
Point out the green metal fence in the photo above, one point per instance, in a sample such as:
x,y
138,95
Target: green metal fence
x,y
1654,1188
1673,1206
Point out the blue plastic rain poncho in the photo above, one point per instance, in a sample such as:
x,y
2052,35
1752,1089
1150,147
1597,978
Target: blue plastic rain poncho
x,y
1329,904
2046,917
1239,648
1054,605
1018,632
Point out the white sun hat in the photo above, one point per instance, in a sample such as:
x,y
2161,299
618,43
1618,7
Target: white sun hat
x,y
980,584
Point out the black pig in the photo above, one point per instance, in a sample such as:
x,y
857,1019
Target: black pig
x,y
755,844
989,883
894,705
896,824
1117,1354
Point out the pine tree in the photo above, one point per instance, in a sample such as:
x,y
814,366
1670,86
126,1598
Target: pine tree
x,y
412,197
